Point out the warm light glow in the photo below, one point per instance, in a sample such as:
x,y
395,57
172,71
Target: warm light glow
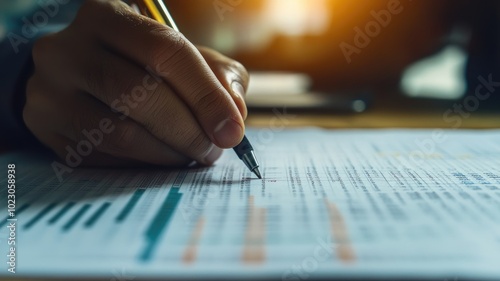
x,y
254,28
296,17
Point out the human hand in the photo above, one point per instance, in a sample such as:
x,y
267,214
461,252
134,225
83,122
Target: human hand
x,y
136,90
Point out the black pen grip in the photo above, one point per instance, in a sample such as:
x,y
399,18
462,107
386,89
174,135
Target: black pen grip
x,y
243,148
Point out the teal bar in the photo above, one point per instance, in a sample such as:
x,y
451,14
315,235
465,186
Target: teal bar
x,y
61,212
17,212
23,207
76,217
92,220
130,205
160,222
40,215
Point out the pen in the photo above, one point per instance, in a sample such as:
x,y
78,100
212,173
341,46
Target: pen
x,y
157,10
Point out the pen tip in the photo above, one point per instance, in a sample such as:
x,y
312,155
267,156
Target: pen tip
x,y
257,173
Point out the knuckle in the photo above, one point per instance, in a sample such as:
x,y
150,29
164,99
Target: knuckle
x,y
100,80
152,123
122,139
92,79
173,47
209,102
224,64
188,139
197,143
106,75
155,109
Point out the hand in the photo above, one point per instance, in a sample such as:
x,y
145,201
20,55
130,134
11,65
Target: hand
x,y
135,90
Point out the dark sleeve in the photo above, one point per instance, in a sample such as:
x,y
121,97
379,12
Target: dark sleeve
x,y
16,67
15,70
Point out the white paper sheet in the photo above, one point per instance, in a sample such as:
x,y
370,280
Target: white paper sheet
x,y
381,203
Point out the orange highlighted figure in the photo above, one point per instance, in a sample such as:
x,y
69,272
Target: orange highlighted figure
x,y
254,248
192,249
340,235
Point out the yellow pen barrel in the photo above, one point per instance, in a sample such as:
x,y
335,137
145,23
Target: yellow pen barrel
x,y
148,8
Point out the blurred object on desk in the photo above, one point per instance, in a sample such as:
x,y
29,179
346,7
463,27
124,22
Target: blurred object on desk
x,y
289,83
276,90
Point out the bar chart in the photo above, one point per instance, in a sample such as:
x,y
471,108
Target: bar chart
x,y
352,204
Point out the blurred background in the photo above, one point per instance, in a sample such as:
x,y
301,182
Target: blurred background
x,y
376,48
422,49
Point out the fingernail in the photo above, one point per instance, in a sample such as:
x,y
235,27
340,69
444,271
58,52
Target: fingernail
x,y
227,133
237,89
239,92
213,155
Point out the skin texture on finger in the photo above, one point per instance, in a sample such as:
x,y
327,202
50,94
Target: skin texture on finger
x,y
86,121
47,133
172,57
146,99
233,76
124,139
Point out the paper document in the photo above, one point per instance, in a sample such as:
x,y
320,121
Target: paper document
x,y
353,203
